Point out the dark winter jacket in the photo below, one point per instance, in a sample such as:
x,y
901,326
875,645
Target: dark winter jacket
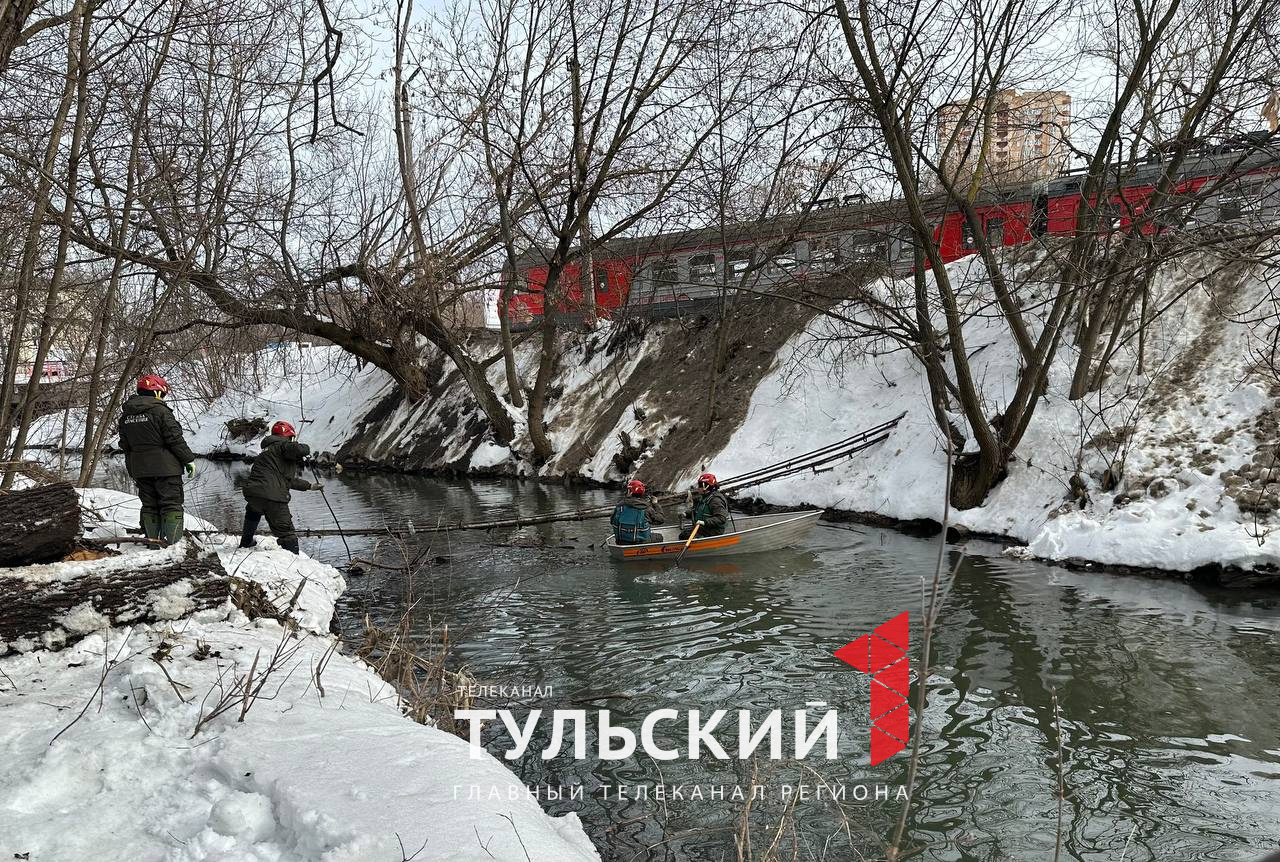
x,y
152,439
632,518
712,509
276,470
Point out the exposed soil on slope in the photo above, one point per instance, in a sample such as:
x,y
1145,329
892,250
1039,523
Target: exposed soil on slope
x,y
675,380
426,436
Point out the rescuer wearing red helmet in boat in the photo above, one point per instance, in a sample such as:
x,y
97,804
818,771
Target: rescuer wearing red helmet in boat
x,y
708,506
634,514
266,491
155,454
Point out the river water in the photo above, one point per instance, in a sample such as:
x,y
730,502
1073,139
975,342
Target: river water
x,y
1155,705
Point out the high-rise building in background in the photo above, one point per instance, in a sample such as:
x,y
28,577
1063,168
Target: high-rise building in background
x,y
1029,132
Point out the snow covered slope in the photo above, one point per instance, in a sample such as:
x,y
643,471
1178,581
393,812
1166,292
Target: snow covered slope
x,y
1191,436
111,753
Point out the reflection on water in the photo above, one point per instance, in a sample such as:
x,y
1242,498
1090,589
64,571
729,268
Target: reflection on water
x,y
1167,698
725,569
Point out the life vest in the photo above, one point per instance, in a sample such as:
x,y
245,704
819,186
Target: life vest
x,y
630,524
702,505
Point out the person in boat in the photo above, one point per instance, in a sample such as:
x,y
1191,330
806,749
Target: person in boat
x,y
708,506
634,515
266,491
156,455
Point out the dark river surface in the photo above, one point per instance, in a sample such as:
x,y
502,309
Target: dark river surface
x,y
1167,697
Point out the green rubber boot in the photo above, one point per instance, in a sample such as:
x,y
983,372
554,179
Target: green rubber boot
x,y
151,525
171,527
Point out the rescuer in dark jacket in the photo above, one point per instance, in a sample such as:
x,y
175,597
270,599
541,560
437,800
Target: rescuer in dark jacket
x,y
634,514
155,454
710,508
266,491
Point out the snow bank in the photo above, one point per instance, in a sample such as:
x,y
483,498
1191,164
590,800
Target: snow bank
x,y
1187,437
1191,434
115,749
321,391
106,513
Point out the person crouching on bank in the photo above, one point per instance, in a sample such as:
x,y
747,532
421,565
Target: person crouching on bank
x,y
266,491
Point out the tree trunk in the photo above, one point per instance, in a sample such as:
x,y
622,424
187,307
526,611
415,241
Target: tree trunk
x,y
13,18
537,410
38,525
113,592
504,428
973,476
542,448
514,395
80,63
31,248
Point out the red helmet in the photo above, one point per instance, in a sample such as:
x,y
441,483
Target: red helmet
x,y
635,487
707,480
153,383
283,429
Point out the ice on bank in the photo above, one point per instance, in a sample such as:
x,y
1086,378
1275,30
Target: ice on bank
x,y
137,744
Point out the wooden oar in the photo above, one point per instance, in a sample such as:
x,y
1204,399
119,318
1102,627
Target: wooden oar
x,y
688,542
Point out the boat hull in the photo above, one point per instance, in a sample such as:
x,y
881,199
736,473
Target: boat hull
x,y
754,534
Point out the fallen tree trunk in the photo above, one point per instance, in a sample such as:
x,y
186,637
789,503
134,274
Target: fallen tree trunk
x,y
38,525
114,592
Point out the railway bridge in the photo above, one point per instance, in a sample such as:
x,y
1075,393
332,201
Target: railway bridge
x,y
52,396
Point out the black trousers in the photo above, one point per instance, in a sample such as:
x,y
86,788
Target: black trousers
x,y
160,494
278,516
705,531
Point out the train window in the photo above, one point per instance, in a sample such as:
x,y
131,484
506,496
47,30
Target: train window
x,y
702,269
824,253
1246,198
666,273
1269,197
868,248
904,242
1177,211
995,232
737,263
1040,215
966,234
1109,213
786,258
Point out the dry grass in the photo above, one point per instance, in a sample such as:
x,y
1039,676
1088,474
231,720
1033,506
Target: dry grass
x,y
252,599
417,659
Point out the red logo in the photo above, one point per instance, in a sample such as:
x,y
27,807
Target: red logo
x,y
883,654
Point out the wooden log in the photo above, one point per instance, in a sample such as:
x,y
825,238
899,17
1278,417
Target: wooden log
x,y
32,470
38,525
38,612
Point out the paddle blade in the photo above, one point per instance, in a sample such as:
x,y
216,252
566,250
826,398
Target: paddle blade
x,y
692,535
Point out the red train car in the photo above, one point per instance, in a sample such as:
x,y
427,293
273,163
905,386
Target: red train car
x,y
671,273
612,284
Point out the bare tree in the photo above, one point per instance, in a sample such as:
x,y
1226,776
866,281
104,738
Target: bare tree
x,y
913,58
587,120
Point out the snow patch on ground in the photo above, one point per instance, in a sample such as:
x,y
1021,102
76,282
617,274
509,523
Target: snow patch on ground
x,y
107,514
114,748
